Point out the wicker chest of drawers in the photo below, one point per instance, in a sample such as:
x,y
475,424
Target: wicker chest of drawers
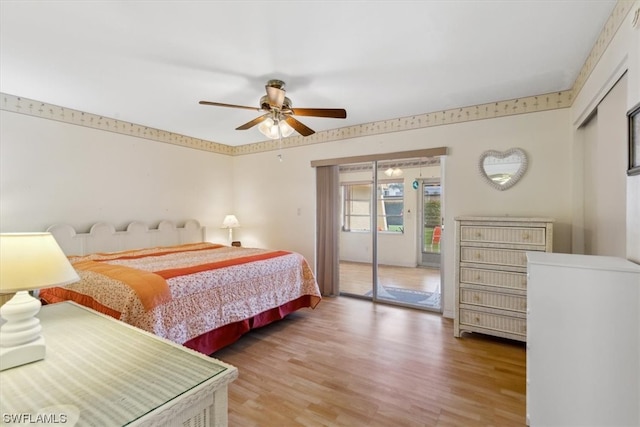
x,y
491,272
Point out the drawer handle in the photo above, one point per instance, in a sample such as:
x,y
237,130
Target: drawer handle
x,y
476,297
525,236
478,256
477,319
478,234
478,277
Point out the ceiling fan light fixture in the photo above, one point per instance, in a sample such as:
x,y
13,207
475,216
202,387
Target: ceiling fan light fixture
x,y
269,128
285,129
277,120
393,172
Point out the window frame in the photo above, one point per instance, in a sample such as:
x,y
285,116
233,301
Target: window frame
x,y
347,200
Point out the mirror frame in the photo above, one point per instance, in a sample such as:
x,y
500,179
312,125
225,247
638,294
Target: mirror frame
x,y
502,155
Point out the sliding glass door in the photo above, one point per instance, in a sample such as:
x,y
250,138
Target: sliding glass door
x,y
356,254
382,233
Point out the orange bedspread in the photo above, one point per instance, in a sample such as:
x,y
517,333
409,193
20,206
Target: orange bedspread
x,y
182,292
151,288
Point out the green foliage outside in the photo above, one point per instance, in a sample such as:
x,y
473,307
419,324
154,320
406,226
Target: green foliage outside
x,y
432,215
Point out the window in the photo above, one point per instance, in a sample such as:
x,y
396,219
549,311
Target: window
x,y
356,206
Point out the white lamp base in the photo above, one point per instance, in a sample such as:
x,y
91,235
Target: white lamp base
x,y
20,339
22,354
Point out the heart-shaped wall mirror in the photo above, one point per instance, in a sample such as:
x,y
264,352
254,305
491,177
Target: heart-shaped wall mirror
x,y
503,169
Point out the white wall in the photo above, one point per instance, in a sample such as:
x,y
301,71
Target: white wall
x,y
53,172
275,201
633,91
622,56
605,155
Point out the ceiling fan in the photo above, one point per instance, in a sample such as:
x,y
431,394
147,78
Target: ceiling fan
x,y
278,121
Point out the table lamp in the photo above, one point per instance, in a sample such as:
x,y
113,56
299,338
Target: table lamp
x,y
28,261
230,222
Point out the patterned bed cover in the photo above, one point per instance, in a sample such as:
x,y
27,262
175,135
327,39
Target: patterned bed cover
x,y
201,295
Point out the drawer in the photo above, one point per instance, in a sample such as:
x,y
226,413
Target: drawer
x,y
509,257
514,325
522,235
503,279
493,300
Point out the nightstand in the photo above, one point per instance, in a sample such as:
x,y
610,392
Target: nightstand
x,y
100,371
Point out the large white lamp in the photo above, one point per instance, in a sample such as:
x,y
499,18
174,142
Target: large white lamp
x,y
28,261
230,222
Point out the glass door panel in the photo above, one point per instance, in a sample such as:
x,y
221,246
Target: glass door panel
x,y
392,238
356,269
431,222
431,233
383,233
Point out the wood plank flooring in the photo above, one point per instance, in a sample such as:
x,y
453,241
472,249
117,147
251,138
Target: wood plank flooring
x,y
355,277
350,362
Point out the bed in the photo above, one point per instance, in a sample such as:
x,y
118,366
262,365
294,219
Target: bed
x,y
168,281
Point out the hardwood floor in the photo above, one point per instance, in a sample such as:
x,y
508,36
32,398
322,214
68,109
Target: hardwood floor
x,y
350,362
356,280
355,277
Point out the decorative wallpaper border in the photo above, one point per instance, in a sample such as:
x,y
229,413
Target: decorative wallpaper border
x,y
404,164
491,110
43,110
609,30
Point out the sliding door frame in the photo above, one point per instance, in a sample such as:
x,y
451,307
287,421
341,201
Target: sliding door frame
x,y
324,234
427,152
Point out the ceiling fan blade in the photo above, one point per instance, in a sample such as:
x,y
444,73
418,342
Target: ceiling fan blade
x,y
219,104
335,113
253,122
301,128
275,96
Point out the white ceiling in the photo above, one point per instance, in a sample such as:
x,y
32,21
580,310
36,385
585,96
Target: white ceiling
x,y
149,63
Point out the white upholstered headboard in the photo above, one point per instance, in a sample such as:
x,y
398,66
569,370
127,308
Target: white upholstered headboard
x,y
103,237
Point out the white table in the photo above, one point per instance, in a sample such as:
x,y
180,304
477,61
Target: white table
x,y
100,371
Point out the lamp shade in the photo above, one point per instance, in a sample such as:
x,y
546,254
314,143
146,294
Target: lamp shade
x,y
230,221
33,261
274,129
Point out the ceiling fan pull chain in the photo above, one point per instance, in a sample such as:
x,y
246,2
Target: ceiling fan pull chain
x,y
279,141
